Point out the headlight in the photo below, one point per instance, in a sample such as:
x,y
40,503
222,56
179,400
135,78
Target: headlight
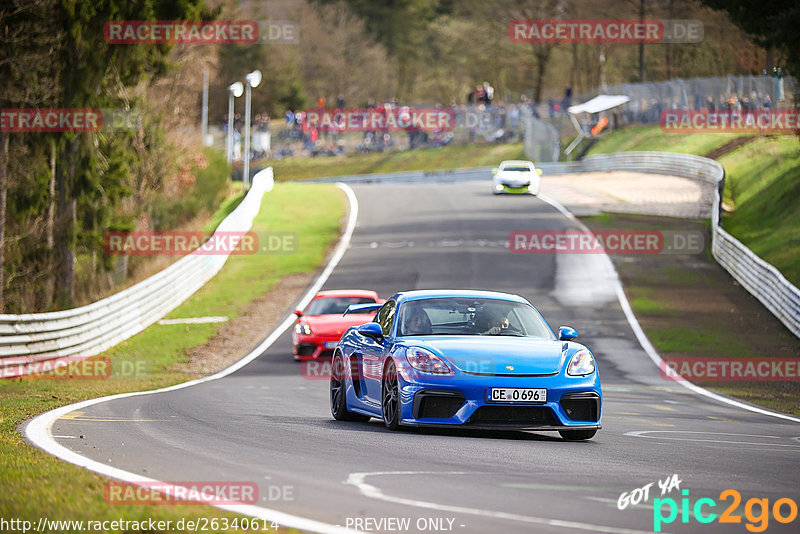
x,y
426,361
582,363
498,187
302,328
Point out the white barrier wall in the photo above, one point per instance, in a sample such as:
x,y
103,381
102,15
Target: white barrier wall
x,y
91,329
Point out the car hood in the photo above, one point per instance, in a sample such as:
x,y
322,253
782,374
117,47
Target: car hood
x,y
515,177
496,355
334,325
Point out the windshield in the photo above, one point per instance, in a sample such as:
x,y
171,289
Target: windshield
x,y
335,305
516,169
471,317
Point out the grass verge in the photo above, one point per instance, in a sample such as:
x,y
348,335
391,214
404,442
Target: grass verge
x,y
36,484
764,192
689,307
634,138
428,159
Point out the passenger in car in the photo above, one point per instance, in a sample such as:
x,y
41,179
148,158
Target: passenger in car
x,y
416,321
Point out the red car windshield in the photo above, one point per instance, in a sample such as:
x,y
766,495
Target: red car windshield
x,y
335,305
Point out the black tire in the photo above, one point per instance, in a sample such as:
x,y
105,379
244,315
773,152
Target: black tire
x,y
577,435
390,397
338,394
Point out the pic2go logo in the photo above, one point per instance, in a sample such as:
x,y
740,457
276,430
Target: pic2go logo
x,y
756,511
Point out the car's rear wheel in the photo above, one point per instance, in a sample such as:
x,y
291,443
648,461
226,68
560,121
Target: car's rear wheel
x,y
338,393
390,398
577,435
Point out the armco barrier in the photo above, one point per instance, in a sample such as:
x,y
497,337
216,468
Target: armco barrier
x,y
91,329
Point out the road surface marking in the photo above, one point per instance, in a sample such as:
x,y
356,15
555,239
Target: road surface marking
x,y
368,490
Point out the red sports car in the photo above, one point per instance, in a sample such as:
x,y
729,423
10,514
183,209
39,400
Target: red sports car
x,y
320,326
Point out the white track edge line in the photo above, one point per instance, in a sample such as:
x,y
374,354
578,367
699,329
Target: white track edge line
x,y
645,342
37,431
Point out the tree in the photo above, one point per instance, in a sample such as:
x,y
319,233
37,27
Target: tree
x,y
401,26
90,74
771,24
27,78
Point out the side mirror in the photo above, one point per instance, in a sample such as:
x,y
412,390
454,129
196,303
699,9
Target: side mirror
x,y
495,170
298,313
372,330
538,171
567,333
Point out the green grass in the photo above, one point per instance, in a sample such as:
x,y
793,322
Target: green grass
x,y
429,159
235,196
648,305
711,341
636,138
764,190
36,484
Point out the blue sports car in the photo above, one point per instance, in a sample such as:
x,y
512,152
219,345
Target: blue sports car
x,y
473,359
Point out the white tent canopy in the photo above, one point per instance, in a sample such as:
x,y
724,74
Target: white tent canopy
x,y
599,103
595,105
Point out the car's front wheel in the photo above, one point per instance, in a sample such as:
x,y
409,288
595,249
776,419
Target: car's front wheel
x,y
338,391
390,398
577,435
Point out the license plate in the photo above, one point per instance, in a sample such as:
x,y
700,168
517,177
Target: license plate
x,y
331,344
516,395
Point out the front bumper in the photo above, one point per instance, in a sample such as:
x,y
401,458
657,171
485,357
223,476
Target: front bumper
x,y
573,403
514,190
312,347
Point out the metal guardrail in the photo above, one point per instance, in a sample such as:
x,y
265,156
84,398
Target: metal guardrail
x,y
89,330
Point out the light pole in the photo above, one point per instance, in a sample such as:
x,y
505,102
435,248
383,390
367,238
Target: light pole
x,y
253,79
234,90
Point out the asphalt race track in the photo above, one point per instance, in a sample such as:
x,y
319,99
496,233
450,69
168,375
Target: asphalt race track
x,y
268,424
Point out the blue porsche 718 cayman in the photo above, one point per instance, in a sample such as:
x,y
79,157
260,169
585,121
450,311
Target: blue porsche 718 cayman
x,y
473,359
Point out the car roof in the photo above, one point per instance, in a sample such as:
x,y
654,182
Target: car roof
x,y
456,293
516,162
347,293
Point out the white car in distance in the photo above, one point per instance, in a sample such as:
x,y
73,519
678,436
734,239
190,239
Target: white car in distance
x,y
516,177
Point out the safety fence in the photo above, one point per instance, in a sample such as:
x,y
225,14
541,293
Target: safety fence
x,y
647,102
89,330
